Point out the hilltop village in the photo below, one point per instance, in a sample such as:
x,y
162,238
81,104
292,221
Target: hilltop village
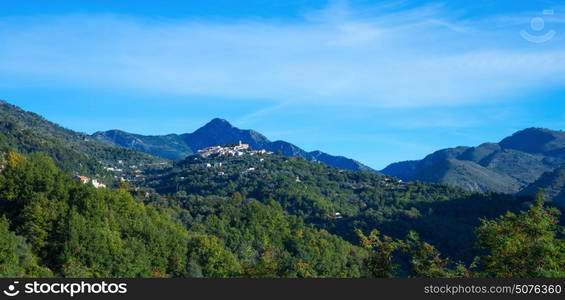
x,y
133,173
235,150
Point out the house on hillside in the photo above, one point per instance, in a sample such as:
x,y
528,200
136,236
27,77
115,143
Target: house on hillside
x,y
337,215
82,179
86,180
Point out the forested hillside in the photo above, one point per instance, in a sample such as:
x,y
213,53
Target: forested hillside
x,y
54,226
340,201
26,132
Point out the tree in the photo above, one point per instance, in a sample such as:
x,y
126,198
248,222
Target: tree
x,y
380,262
426,260
214,260
529,244
16,257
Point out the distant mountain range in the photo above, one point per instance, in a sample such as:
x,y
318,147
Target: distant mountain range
x,y
513,165
218,132
521,164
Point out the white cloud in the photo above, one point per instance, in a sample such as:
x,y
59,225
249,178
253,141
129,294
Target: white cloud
x,y
415,58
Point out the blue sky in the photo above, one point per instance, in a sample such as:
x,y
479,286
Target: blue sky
x,y
376,81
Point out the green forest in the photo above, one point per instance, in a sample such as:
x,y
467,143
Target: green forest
x,y
264,217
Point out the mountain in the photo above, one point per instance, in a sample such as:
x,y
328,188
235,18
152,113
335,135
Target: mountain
x,y
221,132
26,132
218,132
170,146
553,185
507,166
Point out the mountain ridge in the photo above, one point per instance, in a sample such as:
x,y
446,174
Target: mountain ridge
x,y
553,185
507,166
219,132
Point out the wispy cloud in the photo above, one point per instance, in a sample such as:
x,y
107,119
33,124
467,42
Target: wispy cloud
x,y
260,113
381,57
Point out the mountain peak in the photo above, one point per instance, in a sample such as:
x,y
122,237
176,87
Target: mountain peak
x,y
534,131
216,128
218,123
534,140
221,132
111,131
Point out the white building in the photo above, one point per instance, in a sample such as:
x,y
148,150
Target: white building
x,y
94,182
